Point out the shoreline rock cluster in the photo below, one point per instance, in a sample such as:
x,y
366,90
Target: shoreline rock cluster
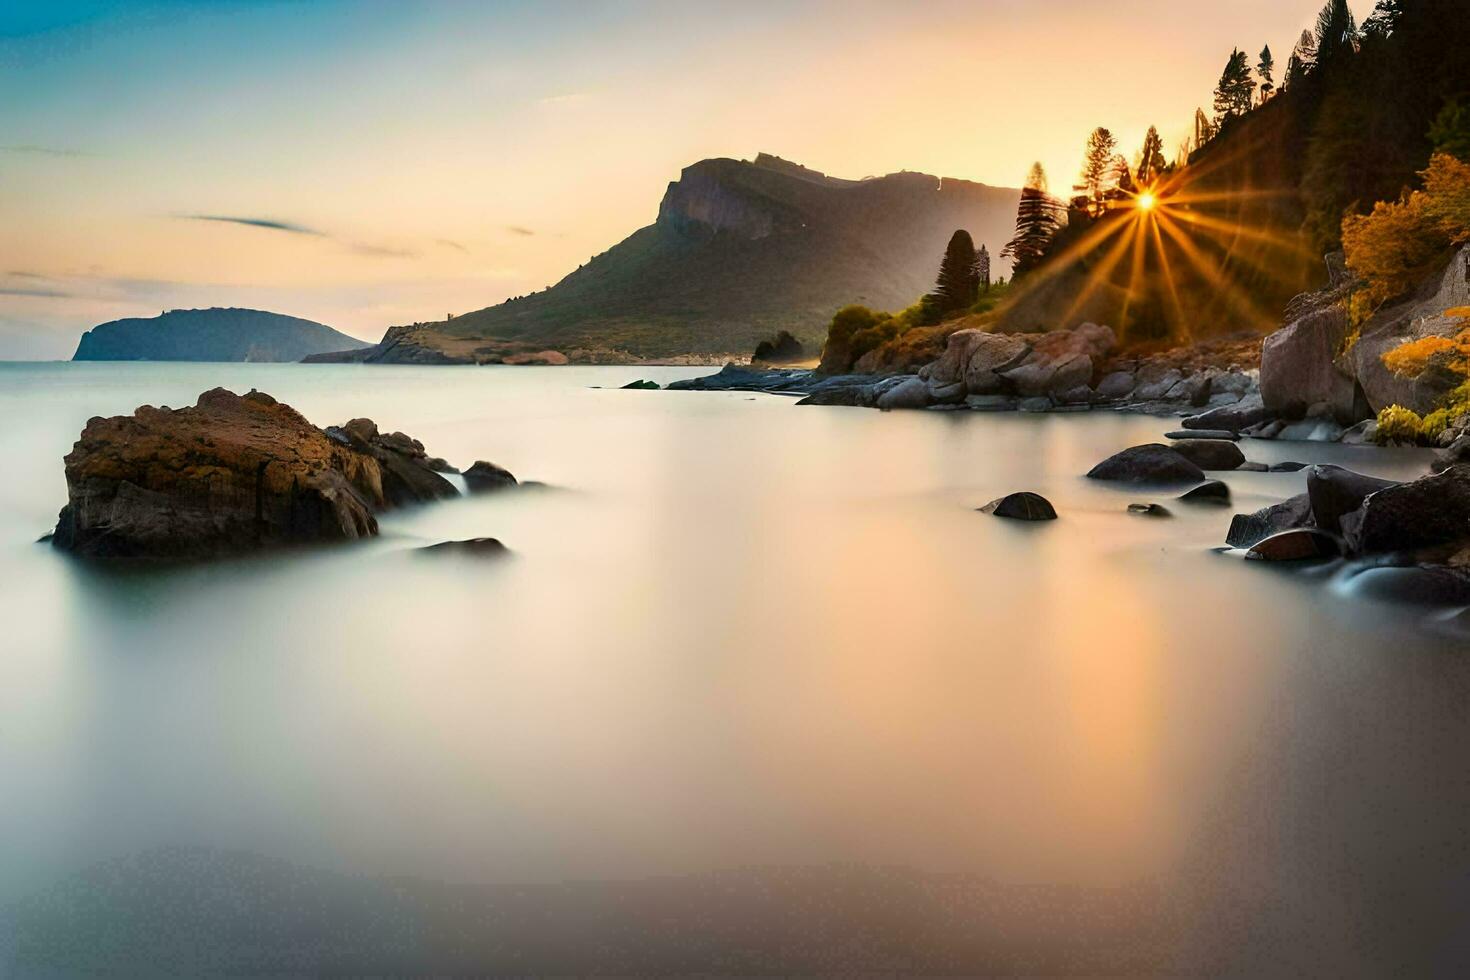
x,y
236,474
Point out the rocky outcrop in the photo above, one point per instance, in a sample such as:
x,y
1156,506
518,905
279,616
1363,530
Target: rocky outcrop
x,y
1247,529
1296,544
233,474
1419,316
1152,463
1209,492
468,548
1335,492
1299,366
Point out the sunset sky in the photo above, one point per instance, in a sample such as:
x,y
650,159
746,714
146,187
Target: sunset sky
x,y
366,164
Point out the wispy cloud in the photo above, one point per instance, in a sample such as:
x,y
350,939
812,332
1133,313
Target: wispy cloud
x,y
447,243
48,151
366,249
270,224
518,230
35,291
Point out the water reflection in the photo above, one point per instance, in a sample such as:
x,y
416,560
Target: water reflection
x,y
739,635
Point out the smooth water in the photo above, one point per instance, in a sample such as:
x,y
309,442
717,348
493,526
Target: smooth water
x,y
758,690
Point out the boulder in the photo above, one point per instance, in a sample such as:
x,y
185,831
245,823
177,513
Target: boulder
x,y
1456,453
1093,339
1297,544
975,357
1335,491
1039,403
483,477
1117,384
1152,463
991,403
1034,376
1310,430
407,476
1247,529
1247,412
1194,389
233,474
1421,315
1210,454
1150,510
1022,506
1072,371
1298,365
947,394
1251,466
641,385
1287,466
1080,395
912,392
1430,512
1417,585
1155,381
1209,492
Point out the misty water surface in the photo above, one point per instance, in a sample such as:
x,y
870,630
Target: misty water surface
x,y
758,690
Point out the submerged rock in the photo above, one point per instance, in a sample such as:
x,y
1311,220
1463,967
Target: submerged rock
x,y
1251,466
1150,510
1151,463
233,474
1210,454
1022,506
1209,492
485,476
1247,529
1297,544
909,393
641,385
470,547
1221,434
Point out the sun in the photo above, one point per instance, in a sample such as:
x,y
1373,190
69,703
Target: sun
x,y
1145,201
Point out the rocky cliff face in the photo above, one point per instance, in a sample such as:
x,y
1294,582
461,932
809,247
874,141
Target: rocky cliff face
x,y
212,335
743,249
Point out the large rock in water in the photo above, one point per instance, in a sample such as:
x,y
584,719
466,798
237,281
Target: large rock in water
x,y
1430,512
1336,492
1022,506
1247,529
1210,454
233,474
976,357
409,476
1152,463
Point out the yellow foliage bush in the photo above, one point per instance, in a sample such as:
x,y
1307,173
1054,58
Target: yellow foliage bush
x,y
1399,424
1409,359
1393,247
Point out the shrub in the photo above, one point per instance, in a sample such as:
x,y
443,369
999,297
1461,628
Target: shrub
x,y
1409,359
1394,246
1399,424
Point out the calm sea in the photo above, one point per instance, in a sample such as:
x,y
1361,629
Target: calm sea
x,y
758,691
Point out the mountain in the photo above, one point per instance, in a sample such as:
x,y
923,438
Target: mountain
x,y
211,335
739,250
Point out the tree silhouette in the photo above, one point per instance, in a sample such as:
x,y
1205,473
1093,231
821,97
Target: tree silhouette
x,y
1234,94
1303,58
1151,161
982,269
1039,217
1264,68
1337,31
1097,164
955,289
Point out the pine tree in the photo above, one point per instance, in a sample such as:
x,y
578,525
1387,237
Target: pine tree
x,y
1151,161
955,289
1039,217
1264,68
982,269
1303,59
1097,162
1337,31
1234,94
